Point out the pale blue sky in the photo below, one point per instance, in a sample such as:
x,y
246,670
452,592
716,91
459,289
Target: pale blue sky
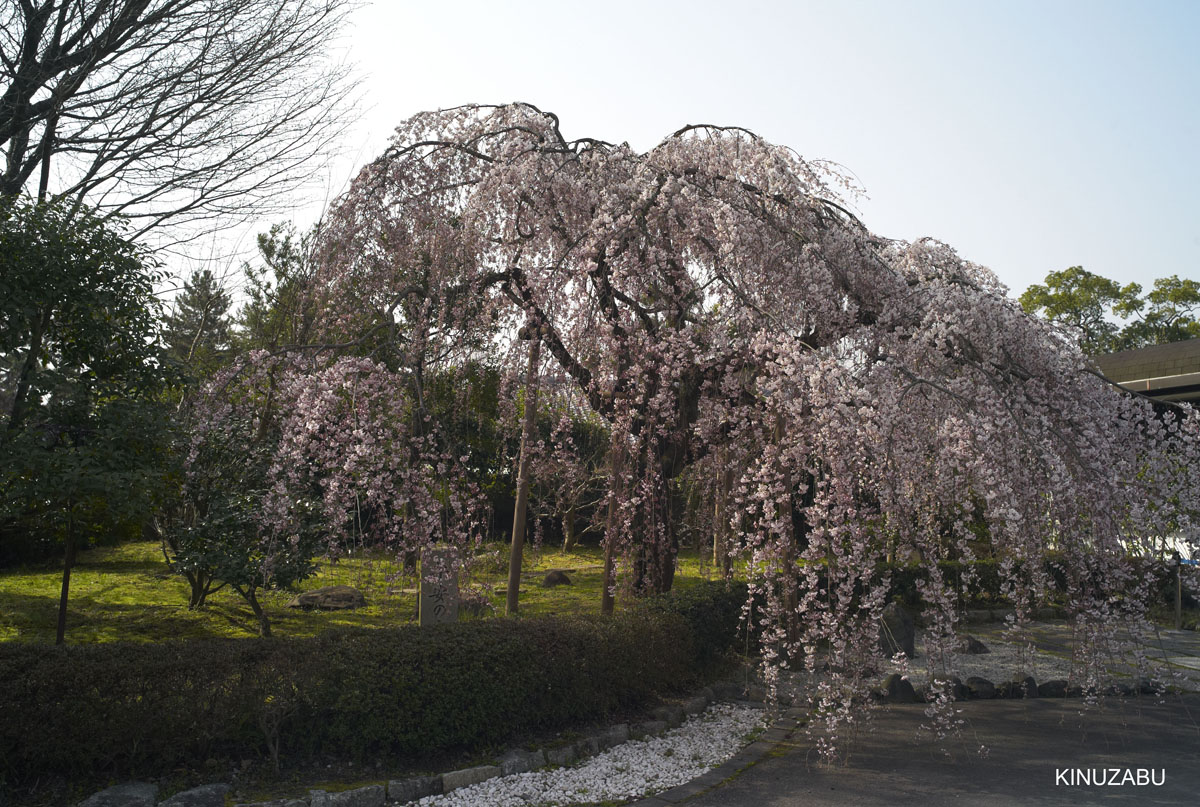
x,y
1031,136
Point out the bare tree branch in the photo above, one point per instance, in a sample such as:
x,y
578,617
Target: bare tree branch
x,y
185,116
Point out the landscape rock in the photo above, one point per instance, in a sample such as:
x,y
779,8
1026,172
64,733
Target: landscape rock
x,y
981,687
468,776
587,747
330,598
646,728
1053,689
129,794
671,715
519,760
974,647
418,787
897,689
556,577
615,735
897,631
958,688
203,796
369,796
696,705
562,756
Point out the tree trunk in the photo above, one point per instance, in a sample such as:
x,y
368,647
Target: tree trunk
x,y
68,562
721,515
616,464
654,562
250,595
264,624
568,525
201,585
519,513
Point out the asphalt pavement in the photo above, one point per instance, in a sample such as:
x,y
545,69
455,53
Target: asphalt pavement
x,y
1010,752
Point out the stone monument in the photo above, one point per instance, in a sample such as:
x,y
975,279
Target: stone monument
x,y
438,601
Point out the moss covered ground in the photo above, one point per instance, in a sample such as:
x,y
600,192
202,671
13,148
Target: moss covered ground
x,y
127,593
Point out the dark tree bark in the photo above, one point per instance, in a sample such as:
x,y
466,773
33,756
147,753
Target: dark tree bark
x,y
519,513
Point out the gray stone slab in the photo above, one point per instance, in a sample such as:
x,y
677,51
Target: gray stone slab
x,y
587,747
615,735
417,787
561,756
671,715
519,760
468,776
648,727
128,794
203,796
369,796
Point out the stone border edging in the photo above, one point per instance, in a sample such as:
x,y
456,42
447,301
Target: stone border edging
x,y
401,791
517,760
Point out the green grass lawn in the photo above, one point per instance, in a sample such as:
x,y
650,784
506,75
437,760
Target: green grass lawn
x,y
126,593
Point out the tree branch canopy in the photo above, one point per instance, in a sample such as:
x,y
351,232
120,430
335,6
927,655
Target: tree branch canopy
x,y
192,113
713,297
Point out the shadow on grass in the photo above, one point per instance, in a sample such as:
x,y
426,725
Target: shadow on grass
x,y
33,618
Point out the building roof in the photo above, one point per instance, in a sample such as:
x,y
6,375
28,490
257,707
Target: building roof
x,y
1168,372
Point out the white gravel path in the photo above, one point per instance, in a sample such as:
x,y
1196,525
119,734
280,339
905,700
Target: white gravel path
x,y
1003,662
630,770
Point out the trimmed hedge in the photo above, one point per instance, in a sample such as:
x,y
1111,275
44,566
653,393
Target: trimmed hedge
x,y
986,585
134,709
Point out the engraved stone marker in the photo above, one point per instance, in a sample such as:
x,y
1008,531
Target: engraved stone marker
x,y
439,585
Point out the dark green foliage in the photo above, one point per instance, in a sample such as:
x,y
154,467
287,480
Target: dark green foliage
x,y
278,310
714,611
984,586
196,332
126,710
82,382
979,582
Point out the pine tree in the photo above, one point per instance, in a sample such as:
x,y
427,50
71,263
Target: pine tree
x,y
197,329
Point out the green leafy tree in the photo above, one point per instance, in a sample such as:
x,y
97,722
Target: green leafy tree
x,y
197,331
1106,316
278,311
1166,313
1083,302
82,453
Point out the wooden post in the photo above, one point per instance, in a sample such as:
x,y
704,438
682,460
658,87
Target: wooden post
x,y
519,514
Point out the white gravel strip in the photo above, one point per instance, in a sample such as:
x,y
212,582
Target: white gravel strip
x,y
630,770
1003,662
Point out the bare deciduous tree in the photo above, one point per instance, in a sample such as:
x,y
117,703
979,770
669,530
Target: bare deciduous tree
x,y
197,113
